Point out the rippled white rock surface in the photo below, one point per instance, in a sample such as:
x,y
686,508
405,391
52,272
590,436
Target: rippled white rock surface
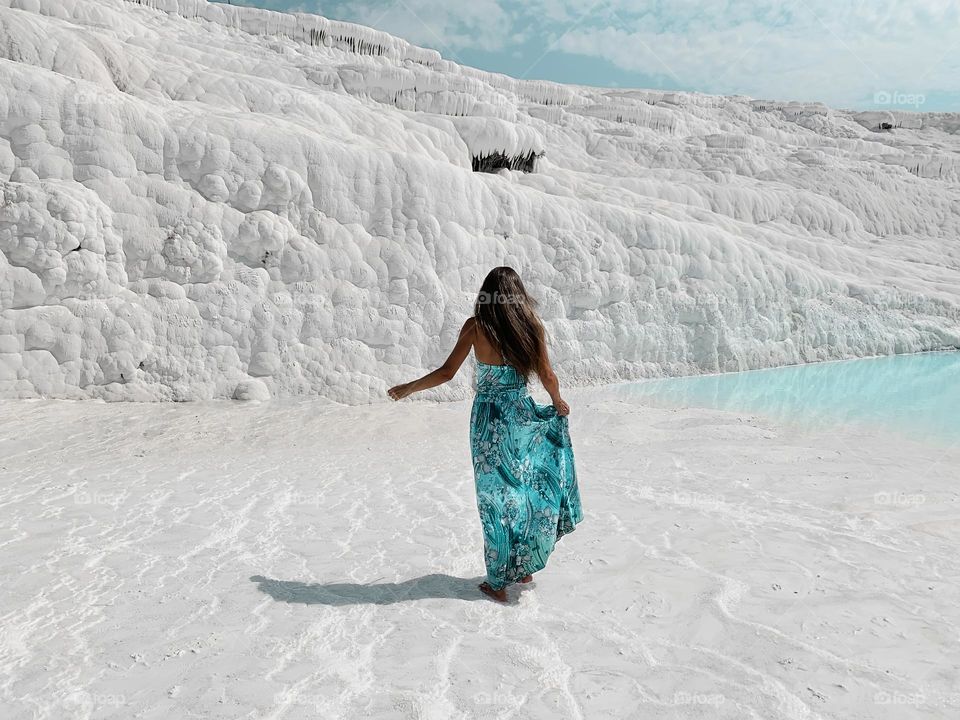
x,y
198,199
305,560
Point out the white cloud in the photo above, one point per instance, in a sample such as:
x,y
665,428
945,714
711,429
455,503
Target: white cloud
x,y
840,53
445,26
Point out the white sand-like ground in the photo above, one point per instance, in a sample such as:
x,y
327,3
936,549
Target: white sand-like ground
x,y
308,560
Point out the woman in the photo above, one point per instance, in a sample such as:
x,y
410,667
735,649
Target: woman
x,y
522,458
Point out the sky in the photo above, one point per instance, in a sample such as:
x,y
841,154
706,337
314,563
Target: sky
x,y
857,54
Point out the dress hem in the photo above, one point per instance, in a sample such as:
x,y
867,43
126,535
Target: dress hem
x,y
527,569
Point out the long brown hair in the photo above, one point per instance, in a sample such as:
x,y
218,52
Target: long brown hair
x,y
508,317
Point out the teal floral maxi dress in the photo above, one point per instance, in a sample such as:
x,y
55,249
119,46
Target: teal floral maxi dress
x,y
527,490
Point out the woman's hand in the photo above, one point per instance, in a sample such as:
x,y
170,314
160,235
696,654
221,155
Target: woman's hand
x,y
399,392
562,408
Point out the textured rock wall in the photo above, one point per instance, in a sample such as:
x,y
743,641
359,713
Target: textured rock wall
x,y
199,200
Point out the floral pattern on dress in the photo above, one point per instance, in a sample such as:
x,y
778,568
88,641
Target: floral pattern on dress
x,y
526,481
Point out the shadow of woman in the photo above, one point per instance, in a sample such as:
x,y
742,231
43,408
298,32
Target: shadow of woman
x,y
421,588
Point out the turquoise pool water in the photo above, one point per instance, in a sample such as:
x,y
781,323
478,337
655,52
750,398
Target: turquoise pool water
x,y
917,395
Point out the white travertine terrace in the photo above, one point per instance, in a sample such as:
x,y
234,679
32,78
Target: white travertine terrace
x,y
200,200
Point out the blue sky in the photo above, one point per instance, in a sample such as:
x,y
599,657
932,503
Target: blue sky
x,y
889,54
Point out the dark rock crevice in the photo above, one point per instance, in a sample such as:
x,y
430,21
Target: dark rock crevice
x,y
493,162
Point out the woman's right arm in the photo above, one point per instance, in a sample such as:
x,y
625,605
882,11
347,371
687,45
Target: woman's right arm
x,y
550,383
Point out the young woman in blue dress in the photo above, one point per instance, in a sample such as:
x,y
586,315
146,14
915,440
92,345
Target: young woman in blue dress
x,y
526,482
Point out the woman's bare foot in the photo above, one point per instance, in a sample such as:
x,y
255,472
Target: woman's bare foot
x,y
498,595
525,580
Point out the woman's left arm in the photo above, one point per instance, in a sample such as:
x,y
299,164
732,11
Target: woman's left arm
x,y
444,373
